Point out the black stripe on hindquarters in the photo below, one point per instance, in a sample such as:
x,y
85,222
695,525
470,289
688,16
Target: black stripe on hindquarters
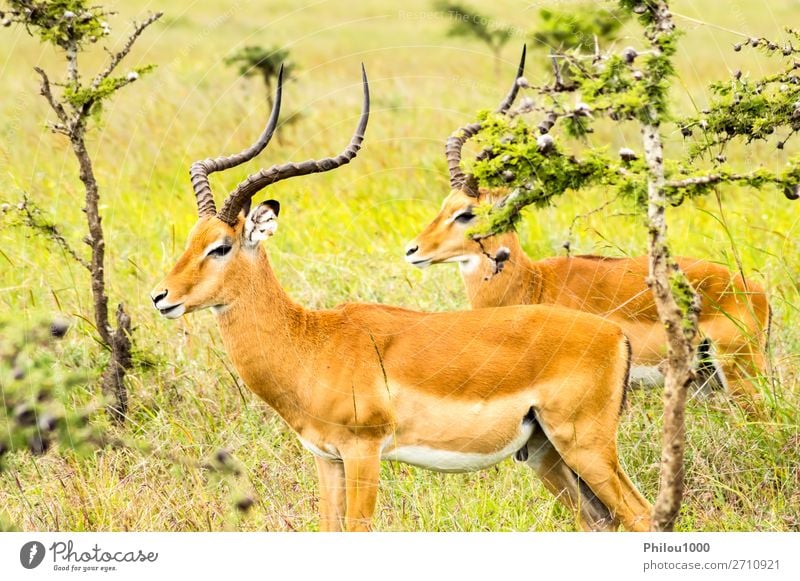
x,y
627,385
706,370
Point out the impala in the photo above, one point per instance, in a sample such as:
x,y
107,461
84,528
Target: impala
x,y
735,315
360,383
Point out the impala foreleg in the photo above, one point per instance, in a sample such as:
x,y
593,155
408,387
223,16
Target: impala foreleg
x,y
362,463
331,494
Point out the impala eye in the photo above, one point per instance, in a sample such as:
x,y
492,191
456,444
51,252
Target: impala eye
x,y
465,217
220,251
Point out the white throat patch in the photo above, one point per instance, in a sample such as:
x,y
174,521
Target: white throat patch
x,y
468,263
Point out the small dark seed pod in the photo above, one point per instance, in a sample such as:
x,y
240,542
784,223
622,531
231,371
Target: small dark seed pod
x,y
627,154
686,131
245,504
629,54
58,328
792,192
737,47
25,415
508,176
721,158
545,143
737,75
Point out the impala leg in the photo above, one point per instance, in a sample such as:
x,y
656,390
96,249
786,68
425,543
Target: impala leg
x,y
331,494
362,472
739,368
590,449
559,479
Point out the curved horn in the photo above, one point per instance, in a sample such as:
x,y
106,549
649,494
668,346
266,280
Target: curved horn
x,y
455,143
200,170
258,181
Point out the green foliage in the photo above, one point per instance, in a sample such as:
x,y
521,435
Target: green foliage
x,y
577,26
470,23
80,96
538,172
63,23
748,109
37,409
258,60
630,86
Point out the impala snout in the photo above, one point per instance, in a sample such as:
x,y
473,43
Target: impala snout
x,y
414,257
164,306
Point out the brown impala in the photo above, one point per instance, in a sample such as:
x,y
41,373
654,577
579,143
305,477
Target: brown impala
x,y
452,392
734,319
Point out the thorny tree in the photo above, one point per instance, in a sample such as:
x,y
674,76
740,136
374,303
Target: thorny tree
x,y
634,87
72,26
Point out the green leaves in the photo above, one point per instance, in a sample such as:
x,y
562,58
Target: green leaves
x,y
577,27
467,22
515,158
60,22
80,96
743,108
530,159
258,60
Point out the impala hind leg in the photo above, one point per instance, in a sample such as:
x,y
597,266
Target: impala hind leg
x,y
331,494
565,485
740,366
588,445
362,463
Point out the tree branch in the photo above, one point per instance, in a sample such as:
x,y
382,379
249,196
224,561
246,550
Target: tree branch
x,y
32,219
45,91
117,57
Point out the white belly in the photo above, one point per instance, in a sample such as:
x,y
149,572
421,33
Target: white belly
x,y
646,376
442,460
329,454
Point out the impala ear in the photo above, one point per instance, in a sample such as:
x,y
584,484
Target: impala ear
x,y
261,223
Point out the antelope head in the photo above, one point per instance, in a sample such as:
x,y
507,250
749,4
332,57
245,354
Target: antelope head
x,y
224,244
445,238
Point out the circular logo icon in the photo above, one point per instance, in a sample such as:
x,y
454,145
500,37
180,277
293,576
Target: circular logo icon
x,y
31,554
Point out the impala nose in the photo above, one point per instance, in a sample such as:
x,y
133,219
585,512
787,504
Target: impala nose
x,y
156,296
411,249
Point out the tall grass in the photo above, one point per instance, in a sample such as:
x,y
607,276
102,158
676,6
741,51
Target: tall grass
x,y
341,239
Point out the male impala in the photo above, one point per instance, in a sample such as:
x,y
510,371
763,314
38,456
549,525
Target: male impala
x,y
734,319
362,382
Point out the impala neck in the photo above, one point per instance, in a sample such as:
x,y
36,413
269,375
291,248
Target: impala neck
x,y
520,281
264,334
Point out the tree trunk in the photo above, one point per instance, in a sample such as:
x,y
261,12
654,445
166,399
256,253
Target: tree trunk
x,y
681,327
117,340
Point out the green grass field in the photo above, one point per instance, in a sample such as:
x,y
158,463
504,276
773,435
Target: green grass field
x,y
341,239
